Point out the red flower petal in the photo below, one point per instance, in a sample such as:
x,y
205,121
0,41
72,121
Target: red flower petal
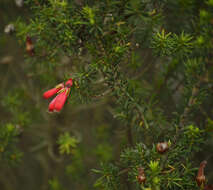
x,y
52,104
61,99
69,83
52,91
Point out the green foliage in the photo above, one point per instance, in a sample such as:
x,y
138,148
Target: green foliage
x,y
172,44
55,185
66,143
109,179
146,63
8,139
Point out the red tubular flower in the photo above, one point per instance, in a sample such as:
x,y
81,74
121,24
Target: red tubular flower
x,y
52,104
63,92
53,91
61,99
68,84
201,179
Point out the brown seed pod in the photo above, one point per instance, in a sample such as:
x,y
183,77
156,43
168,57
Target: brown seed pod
x,y
29,46
141,176
201,179
162,147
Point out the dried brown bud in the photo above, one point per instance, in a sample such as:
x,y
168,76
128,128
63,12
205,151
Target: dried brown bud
x,y
201,179
141,176
29,46
162,147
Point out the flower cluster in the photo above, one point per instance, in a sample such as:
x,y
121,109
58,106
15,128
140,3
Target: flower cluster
x,y
63,92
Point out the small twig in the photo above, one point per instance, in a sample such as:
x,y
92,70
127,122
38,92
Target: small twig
x,y
191,102
38,147
178,86
169,171
123,171
102,94
52,154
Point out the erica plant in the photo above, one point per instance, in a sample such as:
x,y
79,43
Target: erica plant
x,y
150,63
